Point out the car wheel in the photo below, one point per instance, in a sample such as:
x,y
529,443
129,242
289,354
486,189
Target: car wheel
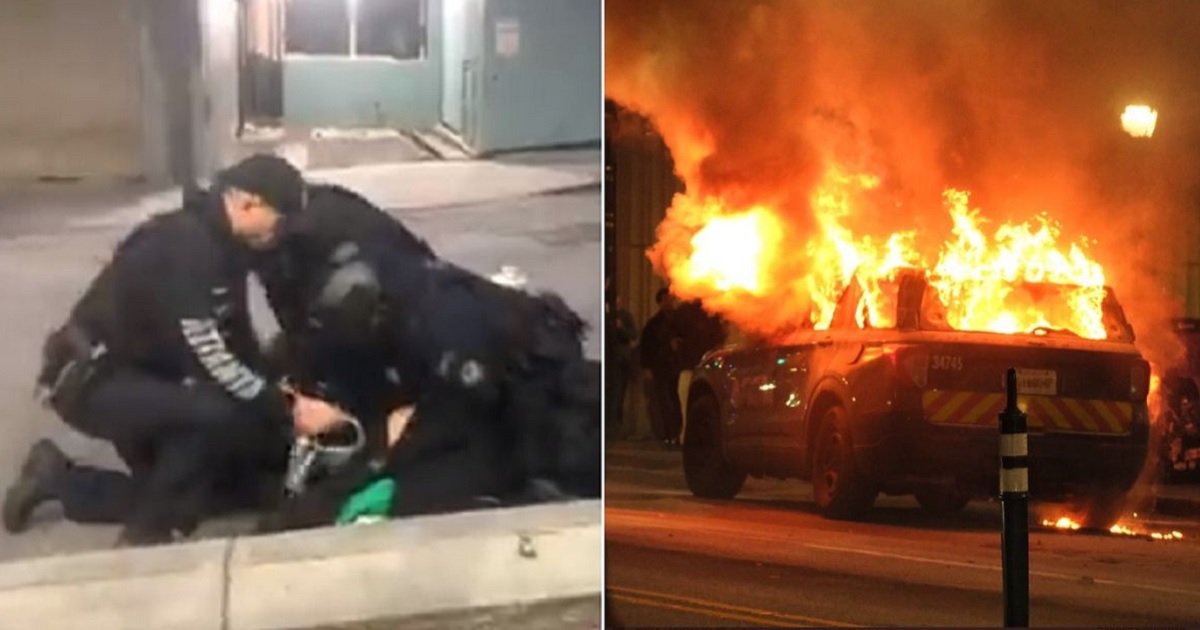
x,y
840,490
709,474
941,501
1103,510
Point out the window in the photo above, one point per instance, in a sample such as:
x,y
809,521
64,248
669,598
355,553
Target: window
x,y
357,28
318,27
392,28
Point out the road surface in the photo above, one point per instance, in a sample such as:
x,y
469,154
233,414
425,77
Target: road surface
x,y
554,240
768,559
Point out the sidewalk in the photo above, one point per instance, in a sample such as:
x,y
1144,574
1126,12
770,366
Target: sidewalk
x,y
402,186
505,568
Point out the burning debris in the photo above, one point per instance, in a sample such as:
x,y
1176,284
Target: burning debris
x,y
1066,523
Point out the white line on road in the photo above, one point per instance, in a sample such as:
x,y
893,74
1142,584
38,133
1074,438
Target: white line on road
x,y
1046,574
708,607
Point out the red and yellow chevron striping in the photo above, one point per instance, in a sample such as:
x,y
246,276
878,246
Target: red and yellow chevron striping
x,y
1047,413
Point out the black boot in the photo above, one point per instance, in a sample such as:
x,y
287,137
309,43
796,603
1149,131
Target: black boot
x,y
134,536
43,466
543,490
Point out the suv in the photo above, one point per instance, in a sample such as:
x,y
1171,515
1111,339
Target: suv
x,y
912,408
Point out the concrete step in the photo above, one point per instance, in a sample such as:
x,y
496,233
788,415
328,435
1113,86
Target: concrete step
x,y
439,571
329,149
442,143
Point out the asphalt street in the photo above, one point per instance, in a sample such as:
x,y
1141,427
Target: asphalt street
x,y
554,240
767,558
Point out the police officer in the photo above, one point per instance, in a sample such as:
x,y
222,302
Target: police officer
x,y
159,358
503,398
324,354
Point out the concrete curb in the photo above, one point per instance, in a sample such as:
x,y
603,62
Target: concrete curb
x,y
448,568
1170,504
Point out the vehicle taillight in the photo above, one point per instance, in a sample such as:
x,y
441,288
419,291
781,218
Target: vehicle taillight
x,y
1139,380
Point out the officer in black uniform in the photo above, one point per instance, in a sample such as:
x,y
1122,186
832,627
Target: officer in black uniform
x,y
309,348
159,358
503,396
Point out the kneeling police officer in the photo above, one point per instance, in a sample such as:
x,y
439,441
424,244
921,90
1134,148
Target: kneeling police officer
x,y
502,398
159,358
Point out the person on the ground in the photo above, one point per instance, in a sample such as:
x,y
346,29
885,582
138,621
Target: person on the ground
x,y
621,335
661,367
493,379
159,358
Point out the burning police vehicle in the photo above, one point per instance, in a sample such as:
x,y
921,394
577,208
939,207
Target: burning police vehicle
x,y
892,398
874,363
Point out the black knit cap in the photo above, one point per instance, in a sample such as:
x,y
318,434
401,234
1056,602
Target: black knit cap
x,y
268,176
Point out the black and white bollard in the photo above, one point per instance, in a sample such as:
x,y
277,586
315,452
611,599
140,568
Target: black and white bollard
x,y
1014,506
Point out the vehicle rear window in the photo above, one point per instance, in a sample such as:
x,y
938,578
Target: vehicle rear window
x,y
911,300
1025,308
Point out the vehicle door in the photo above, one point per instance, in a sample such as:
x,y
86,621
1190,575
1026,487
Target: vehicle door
x,y
791,384
751,391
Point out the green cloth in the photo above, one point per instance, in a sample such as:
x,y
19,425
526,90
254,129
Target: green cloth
x,y
373,502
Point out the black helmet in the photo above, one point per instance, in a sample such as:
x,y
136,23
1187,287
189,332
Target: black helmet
x,y
347,299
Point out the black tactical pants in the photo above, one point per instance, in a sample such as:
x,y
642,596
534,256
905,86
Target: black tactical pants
x,y
620,372
666,394
454,453
179,443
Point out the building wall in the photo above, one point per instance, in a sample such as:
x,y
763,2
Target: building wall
x,y
642,184
74,108
375,92
462,64
548,93
330,91
215,87
169,41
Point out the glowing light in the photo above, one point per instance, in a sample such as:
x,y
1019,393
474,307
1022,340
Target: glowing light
x,y
1139,121
1062,523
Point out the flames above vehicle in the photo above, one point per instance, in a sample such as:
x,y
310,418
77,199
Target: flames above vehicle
x,y
765,273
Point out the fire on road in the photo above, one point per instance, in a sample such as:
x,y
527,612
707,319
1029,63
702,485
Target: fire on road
x,y
767,559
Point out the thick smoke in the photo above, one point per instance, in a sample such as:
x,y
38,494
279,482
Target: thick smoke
x,y
1015,101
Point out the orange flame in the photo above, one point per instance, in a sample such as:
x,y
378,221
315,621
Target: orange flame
x,y
986,281
1066,523
727,250
1062,523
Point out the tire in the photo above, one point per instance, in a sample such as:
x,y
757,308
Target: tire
x,y
708,473
839,488
1103,510
942,502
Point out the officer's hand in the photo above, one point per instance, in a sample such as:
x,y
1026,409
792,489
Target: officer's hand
x,y
41,393
313,416
396,423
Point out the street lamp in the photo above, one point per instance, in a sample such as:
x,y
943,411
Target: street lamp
x,y
1139,120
